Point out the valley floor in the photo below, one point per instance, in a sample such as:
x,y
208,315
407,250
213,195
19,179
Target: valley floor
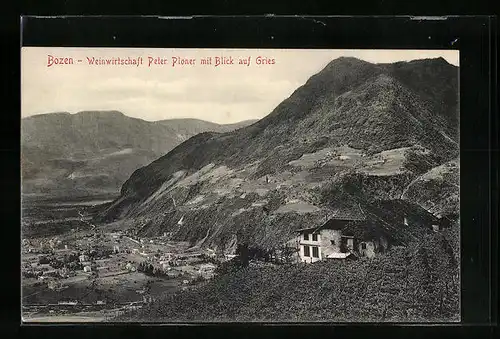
x,y
56,286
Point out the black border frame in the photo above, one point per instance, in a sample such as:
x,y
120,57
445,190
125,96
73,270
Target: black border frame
x,y
474,36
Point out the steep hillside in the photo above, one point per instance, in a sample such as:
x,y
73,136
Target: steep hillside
x,y
95,152
436,84
370,126
437,190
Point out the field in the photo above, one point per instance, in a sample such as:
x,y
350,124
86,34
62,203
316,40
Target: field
x,y
118,289
42,217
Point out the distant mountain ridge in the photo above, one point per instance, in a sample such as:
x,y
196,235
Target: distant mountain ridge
x,y
387,123
96,151
186,128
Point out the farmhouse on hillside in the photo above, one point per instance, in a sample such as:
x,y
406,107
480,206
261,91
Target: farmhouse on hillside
x,y
362,231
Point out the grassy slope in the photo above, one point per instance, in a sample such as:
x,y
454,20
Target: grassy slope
x,y
417,283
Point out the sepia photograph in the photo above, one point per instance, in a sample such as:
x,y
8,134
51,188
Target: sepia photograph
x,y
169,185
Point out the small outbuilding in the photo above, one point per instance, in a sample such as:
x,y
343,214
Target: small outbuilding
x,y
129,267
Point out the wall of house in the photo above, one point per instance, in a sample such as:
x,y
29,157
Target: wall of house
x,y
310,258
350,244
327,243
373,247
368,251
310,243
330,241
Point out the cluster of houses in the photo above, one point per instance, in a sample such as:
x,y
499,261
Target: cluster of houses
x,y
173,264
85,262
164,261
41,246
353,230
45,272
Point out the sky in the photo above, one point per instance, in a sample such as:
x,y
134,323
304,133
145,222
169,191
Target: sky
x,y
222,94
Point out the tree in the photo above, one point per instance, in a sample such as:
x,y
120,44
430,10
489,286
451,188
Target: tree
x,y
43,260
56,263
288,253
243,254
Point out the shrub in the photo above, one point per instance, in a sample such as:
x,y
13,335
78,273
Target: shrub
x,y
55,263
43,260
30,274
419,162
197,280
228,267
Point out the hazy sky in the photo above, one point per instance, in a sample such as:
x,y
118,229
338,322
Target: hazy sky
x,y
223,94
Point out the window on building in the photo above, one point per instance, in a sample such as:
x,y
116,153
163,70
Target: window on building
x,y
306,236
315,237
306,251
363,246
315,252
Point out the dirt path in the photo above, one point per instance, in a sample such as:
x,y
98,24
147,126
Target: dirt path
x,y
85,220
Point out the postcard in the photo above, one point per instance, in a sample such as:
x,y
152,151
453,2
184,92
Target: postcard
x,y
240,185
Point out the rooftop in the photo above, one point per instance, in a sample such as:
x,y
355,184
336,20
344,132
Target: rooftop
x,y
347,212
338,215
383,211
394,209
332,223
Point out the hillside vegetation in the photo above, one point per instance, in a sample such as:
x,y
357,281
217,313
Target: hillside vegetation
x,y
417,283
438,189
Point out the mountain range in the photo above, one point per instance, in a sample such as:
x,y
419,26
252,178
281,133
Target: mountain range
x,y
355,129
95,152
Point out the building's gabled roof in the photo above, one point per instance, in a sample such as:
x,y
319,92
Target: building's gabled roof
x,y
333,223
306,229
396,210
449,219
366,230
370,220
346,211
337,216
